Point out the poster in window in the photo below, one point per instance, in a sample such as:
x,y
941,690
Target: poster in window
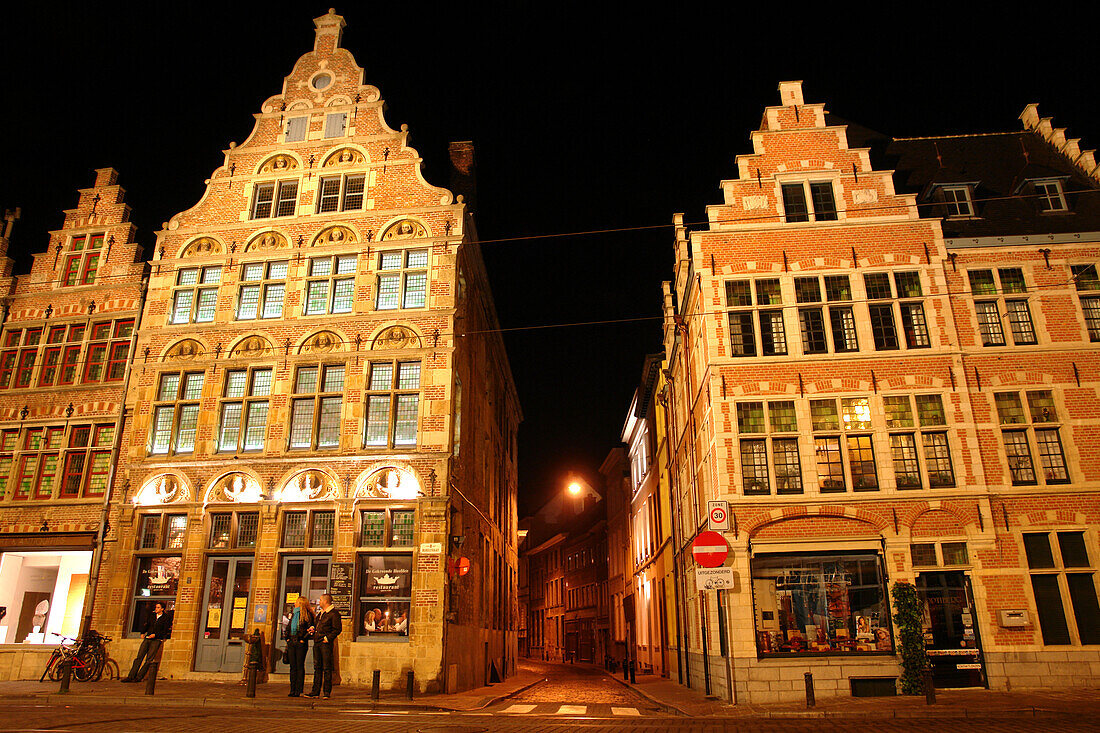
x,y
386,575
158,576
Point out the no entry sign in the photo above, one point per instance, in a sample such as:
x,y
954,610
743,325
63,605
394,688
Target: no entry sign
x,y
710,549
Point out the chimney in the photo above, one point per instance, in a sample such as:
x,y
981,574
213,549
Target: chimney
x,y
464,173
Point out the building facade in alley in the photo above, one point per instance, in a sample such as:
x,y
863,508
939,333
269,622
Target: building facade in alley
x,y
890,372
318,401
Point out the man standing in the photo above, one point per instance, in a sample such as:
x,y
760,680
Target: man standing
x,y
158,627
325,630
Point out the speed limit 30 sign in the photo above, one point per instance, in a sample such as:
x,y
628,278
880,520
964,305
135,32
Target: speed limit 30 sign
x,y
718,516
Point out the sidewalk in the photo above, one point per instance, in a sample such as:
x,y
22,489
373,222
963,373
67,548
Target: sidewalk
x,y
970,703
269,696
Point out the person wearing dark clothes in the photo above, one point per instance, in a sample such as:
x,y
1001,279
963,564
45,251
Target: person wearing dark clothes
x,y
297,642
158,627
325,630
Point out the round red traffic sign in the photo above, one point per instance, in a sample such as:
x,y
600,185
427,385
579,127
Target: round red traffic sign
x,y
710,549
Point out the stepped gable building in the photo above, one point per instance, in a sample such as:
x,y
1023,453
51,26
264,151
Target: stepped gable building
x,y
68,327
890,384
320,402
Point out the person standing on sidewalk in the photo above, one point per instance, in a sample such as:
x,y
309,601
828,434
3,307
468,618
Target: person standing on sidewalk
x,y
158,627
325,630
297,642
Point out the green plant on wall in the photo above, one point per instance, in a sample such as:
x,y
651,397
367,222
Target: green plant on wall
x,y
909,621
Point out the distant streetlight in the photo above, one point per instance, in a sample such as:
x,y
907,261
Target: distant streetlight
x,y
575,488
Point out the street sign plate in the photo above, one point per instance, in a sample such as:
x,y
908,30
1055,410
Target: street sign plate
x,y
710,549
714,578
718,516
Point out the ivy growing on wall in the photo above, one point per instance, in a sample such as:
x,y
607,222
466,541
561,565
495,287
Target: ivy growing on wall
x,y
909,621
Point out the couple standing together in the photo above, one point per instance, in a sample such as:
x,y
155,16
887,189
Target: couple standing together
x,y
323,628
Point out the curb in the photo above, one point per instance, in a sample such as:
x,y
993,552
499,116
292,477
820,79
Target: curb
x,y
513,693
665,706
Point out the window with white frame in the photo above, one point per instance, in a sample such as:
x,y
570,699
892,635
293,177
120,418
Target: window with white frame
x,y
779,436
639,455
1030,432
274,199
262,289
920,448
761,325
195,297
904,304
843,438
1049,196
393,401
1087,282
331,285
176,413
1005,285
315,407
403,279
1062,569
957,202
82,260
244,409
341,193
798,198
939,554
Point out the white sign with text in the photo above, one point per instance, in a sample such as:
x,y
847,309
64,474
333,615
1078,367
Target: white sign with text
x,y
714,578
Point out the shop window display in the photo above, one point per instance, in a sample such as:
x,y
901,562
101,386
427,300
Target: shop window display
x,y
385,590
820,604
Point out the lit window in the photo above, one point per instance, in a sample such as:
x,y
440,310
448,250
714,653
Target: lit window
x,y
315,407
393,400
341,193
244,409
331,285
82,261
274,199
196,295
176,413
403,280
1044,419
263,286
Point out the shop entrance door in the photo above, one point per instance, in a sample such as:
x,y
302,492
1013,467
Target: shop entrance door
x,y
951,630
224,616
301,576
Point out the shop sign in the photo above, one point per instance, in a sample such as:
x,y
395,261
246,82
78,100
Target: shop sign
x,y
714,578
710,549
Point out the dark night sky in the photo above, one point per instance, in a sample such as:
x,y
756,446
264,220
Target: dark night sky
x,y
582,119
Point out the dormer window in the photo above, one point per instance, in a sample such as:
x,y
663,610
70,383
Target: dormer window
x,y
957,202
1049,196
83,260
796,208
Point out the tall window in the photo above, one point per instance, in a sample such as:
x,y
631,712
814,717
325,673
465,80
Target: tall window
x,y
274,199
909,310
795,198
921,457
82,261
840,327
56,461
1062,570
244,409
1034,431
984,283
1087,282
393,400
341,193
780,434
331,285
39,463
196,294
263,286
87,461
403,280
108,351
315,409
843,435
744,323
176,413
956,202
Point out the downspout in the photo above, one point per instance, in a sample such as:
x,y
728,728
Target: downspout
x,y
101,539
663,399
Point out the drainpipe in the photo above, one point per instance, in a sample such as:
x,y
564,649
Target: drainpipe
x,y
101,539
663,399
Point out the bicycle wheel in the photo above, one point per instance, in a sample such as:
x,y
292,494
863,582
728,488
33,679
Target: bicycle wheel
x,y
110,669
55,670
85,665
50,665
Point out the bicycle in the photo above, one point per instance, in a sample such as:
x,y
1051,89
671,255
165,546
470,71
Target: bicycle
x,y
88,657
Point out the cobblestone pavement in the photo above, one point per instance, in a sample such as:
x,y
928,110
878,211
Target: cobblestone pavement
x,y
105,719
577,685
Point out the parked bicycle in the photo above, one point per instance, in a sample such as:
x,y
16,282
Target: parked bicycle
x,y
87,655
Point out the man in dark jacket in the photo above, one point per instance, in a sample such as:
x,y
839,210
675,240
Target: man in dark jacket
x,y
325,630
158,627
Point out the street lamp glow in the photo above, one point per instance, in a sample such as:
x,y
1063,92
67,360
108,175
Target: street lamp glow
x,y
575,488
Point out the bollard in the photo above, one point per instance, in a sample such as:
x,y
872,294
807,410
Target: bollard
x,y
632,680
66,676
626,671
409,686
929,688
250,688
375,682
810,699
151,677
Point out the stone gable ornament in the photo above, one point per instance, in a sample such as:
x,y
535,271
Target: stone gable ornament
x,y
161,490
344,156
185,351
203,247
335,236
235,488
404,229
308,486
278,164
397,337
389,483
322,343
266,241
251,347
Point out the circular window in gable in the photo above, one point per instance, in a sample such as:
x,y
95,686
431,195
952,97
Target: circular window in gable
x,y
321,81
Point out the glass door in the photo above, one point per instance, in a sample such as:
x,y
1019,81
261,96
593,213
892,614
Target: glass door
x,y
224,615
306,576
951,630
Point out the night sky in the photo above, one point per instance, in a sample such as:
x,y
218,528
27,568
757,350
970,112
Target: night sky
x,y
582,119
